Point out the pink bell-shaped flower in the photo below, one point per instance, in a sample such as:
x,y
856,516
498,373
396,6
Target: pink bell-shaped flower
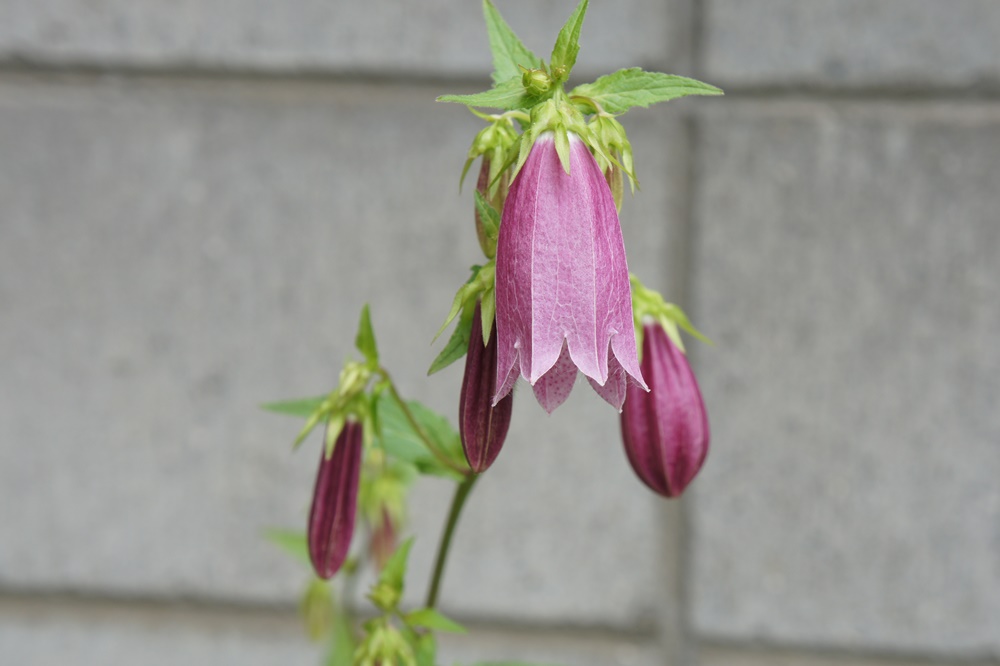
x,y
331,519
665,430
563,301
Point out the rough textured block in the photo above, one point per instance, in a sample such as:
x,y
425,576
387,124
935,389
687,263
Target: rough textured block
x,y
847,269
173,254
579,648
743,656
896,43
432,37
41,634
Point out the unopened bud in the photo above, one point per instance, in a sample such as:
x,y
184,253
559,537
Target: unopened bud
x,y
536,81
665,431
482,426
331,519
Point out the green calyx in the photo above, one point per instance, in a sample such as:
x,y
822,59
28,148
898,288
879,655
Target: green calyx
x,y
648,304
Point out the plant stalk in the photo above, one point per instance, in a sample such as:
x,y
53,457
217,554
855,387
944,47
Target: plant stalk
x,y
457,502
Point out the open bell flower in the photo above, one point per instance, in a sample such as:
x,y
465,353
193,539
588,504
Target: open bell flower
x,y
563,301
335,498
665,430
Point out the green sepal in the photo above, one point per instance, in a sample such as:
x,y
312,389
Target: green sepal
x,y
458,343
508,95
562,147
317,609
333,428
567,44
488,310
365,339
488,214
509,53
292,542
618,92
429,618
311,423
674,314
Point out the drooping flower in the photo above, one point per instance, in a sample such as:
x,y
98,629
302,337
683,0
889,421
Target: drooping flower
x,y
331,519
562,287
483,425
665,430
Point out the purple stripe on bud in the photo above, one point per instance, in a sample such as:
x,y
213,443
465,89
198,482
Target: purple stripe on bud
x,y
482,425
331,519
665,431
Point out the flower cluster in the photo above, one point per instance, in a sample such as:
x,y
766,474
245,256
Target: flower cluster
x,y
552,299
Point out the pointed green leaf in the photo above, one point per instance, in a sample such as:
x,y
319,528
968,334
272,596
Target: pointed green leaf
x,y
292,542
429,618
676,315
508,51
508,96
303,407
489,215
394,573
626,88
365,339
457,345
311,423
568,43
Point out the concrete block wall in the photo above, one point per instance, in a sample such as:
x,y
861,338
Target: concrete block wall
x,y
197,197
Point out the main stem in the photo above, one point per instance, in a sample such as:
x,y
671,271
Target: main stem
x,y
457,502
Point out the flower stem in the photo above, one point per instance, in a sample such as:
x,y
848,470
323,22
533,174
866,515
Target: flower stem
x,y
457,502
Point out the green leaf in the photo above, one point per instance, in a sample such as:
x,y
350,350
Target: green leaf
x,y
489,216
508,95
292,542
343,645
402,442
394,573
303,407
508,51
626,88
457,345
431,619
365,339
568,43
426,650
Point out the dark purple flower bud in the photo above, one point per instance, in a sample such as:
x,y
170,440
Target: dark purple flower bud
x,y
665,430
331,519
483,426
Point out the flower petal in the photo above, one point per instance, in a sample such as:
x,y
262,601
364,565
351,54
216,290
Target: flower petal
x,y
552,388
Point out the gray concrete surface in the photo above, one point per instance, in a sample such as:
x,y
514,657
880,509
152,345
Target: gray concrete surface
x,y
847,265
189,226
431,38
889,44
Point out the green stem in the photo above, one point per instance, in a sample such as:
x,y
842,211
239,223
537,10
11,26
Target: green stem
x,y
457,502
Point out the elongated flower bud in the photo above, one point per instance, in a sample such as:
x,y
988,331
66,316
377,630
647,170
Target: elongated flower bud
x,y
665,431
331,519
483,427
